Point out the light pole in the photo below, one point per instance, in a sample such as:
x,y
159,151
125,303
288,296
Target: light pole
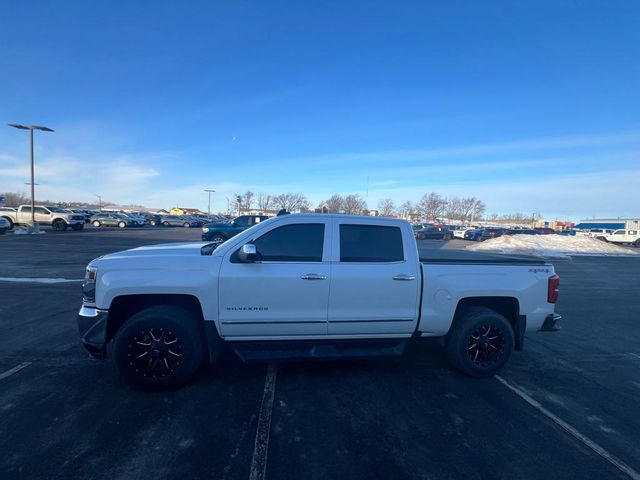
x,y
31,128
209,192
99,201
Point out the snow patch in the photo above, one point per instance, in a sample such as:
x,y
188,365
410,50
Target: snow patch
x,y
550,246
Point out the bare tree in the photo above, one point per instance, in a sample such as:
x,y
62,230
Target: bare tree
x,y
386,207
354,204
406,209
431,206
264,201
291,202
471,209
247,199
335,204
453,208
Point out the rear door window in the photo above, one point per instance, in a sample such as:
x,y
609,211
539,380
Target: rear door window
x,y
370,243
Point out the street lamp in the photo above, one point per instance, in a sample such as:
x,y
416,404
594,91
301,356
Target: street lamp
x,y
99,200
209,207
31,128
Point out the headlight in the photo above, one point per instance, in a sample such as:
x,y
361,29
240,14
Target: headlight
x,y
205,229
90,275
89,285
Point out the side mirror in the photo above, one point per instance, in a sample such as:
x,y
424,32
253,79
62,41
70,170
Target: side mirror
x,y
248,253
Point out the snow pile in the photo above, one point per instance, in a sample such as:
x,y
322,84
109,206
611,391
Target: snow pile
x,y
550,246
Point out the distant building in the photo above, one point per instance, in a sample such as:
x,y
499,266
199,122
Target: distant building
x,y
186,211
610,223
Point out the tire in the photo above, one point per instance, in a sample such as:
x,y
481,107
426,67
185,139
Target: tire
x,y
77,228
166,224
186,225
492,336
121,224
96,223
218,239
59,225
175,347
637,243
11,224
152,223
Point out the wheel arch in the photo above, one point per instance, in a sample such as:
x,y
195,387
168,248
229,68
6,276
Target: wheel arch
x,y
508,307
125,306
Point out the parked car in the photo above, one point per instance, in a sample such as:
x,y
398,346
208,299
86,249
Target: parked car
x,y
489,233
111,220
434,233
545,230
4,225
458,232
599,232
521,231
474,235
221,232
622,236
57,217
307,286
179,221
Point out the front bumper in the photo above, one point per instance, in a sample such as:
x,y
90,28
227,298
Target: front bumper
x,y
92,326
551,323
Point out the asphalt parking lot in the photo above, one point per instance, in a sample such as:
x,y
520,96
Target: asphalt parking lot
x,y
566,407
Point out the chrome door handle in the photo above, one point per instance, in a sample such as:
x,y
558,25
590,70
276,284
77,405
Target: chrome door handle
x,y
313,276
405,278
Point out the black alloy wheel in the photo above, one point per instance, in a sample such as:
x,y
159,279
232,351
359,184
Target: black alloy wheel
x,y
480,342
486,346
155,352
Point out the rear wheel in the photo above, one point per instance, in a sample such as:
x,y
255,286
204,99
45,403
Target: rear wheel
x,y
121,224
159,347
481,342
637,243
166,224
10,222
186,225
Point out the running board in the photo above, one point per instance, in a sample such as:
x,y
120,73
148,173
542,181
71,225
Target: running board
x,y
253,351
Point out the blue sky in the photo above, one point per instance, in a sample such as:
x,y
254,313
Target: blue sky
x,y
531,106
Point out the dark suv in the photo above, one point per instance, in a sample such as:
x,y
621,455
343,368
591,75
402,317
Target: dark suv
x,y
221,232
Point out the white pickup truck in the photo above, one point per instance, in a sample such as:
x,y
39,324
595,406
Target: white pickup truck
x,y
57,217
624,237
307,286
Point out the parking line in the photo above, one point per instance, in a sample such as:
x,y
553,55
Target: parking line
x,y
261,446
8,373
619,464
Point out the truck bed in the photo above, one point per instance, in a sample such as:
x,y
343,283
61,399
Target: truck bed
x,y
471,258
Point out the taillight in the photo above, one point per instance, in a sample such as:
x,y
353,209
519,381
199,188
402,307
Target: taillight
x,y
553,289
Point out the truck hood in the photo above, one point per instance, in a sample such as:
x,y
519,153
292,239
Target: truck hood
x,y
163,249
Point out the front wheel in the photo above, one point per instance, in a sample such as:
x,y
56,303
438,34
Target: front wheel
x,y
481,342
218,239
637,243
166,224
96,223
159,347
59,225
